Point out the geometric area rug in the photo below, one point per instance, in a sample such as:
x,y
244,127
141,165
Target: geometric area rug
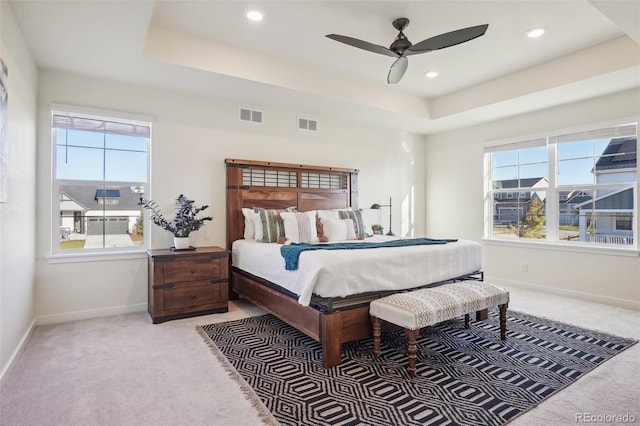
x,y
463,376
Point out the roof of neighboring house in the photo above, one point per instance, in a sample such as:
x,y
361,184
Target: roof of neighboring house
x,y
619,154
577,197
517,183
87,196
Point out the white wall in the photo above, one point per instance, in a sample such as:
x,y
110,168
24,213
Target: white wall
x,y
454,176
192,135
17,216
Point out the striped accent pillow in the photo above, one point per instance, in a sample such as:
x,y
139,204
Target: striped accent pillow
x,y
356,217
269,226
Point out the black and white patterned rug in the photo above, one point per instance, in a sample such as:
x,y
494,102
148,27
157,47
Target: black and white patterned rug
x,y
463,376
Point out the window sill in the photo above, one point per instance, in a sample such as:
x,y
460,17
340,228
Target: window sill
x,y
97,256
609,251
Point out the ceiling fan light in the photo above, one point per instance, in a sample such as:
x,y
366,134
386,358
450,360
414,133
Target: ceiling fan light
x,y
431,74
535,32
254,15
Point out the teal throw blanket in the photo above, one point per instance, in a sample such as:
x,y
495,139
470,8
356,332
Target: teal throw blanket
x,y
291,252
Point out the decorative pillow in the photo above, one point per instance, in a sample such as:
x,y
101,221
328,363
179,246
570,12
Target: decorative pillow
x,y
249,228
356,217
300,227
269,227
338,229
328,214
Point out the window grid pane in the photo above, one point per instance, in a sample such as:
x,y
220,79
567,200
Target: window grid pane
x,y
94,216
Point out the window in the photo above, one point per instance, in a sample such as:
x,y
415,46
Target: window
x,y
100,171
521,171
623,223
577,188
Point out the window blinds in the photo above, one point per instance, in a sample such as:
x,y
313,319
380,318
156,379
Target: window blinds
x,y
625,130
533,143
605,133
96,124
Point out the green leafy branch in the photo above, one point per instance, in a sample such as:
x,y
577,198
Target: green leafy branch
x,y
185,221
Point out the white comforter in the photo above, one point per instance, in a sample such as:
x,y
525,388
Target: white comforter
x,y
339,273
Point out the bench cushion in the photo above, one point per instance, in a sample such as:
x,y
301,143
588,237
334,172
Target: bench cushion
x,y
428,306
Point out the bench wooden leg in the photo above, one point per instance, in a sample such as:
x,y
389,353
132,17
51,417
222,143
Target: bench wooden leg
x,y
503,322
466,320
412,335
376,336
482,315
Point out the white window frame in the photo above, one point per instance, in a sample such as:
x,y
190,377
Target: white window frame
x,y
79,255
552,214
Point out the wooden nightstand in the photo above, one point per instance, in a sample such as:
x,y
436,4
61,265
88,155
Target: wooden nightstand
x,y
187,283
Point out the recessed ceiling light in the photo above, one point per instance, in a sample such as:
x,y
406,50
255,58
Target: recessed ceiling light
x,y
431,74
535,32
254,15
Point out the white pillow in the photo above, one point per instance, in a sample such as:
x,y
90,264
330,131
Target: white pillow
x,y
339,229
328,214
300,227
358,223
249,227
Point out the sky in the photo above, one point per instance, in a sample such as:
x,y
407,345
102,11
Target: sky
x,y
84,155
575,162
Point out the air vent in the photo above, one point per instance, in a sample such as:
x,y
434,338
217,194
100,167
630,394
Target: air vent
x,y
307,124
251,115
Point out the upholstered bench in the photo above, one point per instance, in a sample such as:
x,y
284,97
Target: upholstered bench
x,y
413,310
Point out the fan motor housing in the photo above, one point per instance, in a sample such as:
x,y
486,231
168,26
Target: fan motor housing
x,y
400,44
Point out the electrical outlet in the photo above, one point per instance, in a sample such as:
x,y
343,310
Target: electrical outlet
x,y
524,267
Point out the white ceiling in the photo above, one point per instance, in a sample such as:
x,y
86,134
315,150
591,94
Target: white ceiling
x,y
209,48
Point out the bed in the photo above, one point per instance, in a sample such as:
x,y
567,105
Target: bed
x,y
329,316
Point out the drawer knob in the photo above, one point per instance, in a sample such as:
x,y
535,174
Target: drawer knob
x,y
193,271
193,296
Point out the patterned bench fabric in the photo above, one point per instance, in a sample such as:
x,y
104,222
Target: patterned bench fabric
x,y
428,306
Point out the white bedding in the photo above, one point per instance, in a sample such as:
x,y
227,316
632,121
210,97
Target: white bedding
x,y
339,273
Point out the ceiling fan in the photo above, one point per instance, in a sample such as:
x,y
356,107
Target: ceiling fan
x,y
402,47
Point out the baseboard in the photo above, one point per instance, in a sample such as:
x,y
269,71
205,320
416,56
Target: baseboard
x,y
88,314
17,352
587,297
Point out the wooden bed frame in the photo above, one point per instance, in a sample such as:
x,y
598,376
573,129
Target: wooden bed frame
x,y
278,186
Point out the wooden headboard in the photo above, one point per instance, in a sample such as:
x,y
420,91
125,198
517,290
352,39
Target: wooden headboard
x,y
281,185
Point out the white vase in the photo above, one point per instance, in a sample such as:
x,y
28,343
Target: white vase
x,y
181,243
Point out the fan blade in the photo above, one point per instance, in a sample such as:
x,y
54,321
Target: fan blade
x,y
397,70
361,44
447,39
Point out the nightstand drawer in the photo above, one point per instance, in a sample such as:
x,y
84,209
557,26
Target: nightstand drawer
x,y
191,270
191,296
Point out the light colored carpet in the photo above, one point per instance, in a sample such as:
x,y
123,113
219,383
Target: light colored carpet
x,y
124,370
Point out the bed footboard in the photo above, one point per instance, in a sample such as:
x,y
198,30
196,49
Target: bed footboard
x,y
330,329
